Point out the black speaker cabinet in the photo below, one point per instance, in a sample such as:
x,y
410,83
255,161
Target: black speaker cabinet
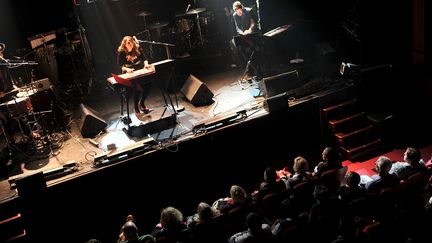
x,y
31,185
282,83
279,88
197,92
91,124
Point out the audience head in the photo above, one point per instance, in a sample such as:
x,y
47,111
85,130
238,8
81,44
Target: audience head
x,y
130,231
171,218
300,165
286,208
130,217
204,211
331,155
412,156
270,175
383,165
321,193
352,179
93,241
253,222
238,194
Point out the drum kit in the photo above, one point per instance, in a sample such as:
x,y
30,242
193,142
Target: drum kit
x,y
25,108
21,109
187,31
189,21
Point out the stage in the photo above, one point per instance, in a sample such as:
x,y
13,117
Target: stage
x,y
97,134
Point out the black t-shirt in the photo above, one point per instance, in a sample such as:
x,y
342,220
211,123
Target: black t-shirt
x,y
131,60
244,22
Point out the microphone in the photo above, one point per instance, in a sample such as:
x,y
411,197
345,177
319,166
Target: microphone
x,y
352,65
188,6
136,40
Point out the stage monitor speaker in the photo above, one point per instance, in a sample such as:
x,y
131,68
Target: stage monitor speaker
x,y
282,83
91,124
31,185
197,92
279,88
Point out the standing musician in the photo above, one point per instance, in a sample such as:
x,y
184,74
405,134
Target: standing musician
x,y
131,58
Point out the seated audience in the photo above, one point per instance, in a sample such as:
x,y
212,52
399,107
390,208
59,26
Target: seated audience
x,y
412,163
130,233
204,214
130,218
287,218
269,185
331,159
301,173
238,197
171,226
383,179
326,213
352,189
256,232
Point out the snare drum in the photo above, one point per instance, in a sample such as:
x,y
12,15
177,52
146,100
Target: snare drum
x,y
20,106
183,25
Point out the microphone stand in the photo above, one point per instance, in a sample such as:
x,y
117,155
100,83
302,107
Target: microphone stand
x,y
166,45
258,16
168,53
5,60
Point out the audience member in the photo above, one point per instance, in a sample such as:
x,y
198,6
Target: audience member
x,y
384,178
301,173
287,218
130,233
331,160
171,225
257,231
130,218
269,185
238,197
204,214
412,163
325,213
352,189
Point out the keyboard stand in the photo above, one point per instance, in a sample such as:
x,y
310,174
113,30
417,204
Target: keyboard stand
x,y
124,98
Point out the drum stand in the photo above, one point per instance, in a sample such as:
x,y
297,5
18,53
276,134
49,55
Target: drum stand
x,y
197,18
5,135
39,142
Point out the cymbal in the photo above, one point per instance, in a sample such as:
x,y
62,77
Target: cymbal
x,y
196,11
157,25
191,12
143,13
